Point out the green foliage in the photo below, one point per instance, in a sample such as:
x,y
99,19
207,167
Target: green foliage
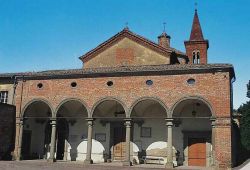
x,y
244,110
248,89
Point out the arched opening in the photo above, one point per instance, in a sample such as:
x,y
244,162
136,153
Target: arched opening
x,y
196,57
36,131
109,131
149,141
192,132
72,131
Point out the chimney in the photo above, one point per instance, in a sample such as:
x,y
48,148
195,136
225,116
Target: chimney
x,y
164,40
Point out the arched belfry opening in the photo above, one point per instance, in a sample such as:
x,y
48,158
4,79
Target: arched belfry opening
x,y
149,140
36,131
109,131
72,131
192,134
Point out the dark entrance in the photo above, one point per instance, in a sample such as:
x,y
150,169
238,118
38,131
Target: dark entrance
x,y
197,152
25,152
62,135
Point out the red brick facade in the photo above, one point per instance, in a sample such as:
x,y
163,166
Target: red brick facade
x,y
213,87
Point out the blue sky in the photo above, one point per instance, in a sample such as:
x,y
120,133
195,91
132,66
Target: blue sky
x,y
51,34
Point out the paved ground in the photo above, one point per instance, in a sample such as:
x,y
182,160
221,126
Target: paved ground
x,y
44,165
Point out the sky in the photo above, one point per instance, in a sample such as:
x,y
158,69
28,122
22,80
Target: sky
x,y
38,35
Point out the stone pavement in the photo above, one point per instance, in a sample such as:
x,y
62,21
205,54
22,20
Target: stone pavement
x,y
44,165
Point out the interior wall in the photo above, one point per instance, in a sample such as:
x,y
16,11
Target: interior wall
x,y
37,137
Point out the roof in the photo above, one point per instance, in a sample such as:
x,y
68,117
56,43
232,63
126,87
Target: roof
x,y
126,71
128,34
196,32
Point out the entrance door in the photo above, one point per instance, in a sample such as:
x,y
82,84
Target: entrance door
x,y
26,144
119,143
196,152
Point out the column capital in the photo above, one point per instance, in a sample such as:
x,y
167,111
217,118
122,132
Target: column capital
x,y
128,122
169,121
19,121
90,121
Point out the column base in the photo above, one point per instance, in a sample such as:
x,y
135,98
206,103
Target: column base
x,y
88,162
126,163
51,160
169,165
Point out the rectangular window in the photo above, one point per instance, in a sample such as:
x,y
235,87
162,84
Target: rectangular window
x,y
3,96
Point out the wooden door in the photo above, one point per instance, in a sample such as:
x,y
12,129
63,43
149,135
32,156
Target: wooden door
x,y
119,143
196,152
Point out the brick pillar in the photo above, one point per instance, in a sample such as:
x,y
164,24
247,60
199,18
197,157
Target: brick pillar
x,y
127,161
170,143
53,141
20,139
213,141
88,159
223,143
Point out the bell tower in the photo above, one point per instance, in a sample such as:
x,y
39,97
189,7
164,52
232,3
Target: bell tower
x,y
196,46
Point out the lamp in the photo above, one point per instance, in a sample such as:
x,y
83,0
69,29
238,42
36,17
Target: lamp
x,y
194,111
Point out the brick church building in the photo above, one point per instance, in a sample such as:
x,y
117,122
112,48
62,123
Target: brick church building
x,y
134,101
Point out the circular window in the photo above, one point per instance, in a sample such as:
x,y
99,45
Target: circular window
x,y
73,84
39,85
149,82
110,83
191,81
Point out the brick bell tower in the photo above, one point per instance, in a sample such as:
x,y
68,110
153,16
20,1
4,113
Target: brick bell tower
x,y
196,46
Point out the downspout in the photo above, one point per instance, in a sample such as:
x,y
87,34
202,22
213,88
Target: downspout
x,y
20,108
14,90
20,112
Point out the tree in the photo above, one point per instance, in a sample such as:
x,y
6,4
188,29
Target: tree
x,y
244,110
248,89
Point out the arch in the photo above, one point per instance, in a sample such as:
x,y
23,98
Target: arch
x,y
148,98
107,99
71,99
37,100
192,98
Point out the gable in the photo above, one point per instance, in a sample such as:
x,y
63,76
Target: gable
x,y
127,52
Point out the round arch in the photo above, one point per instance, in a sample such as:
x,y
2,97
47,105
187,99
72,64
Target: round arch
x,y
206,102
109,99
156,99
36,100
84,104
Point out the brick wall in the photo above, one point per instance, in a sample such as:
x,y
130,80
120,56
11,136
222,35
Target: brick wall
x,y
7,129
214,87
197,46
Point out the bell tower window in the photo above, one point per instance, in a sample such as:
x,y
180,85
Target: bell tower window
x,y
196,57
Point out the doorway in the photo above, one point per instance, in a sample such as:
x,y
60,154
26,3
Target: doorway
x,y
26,144
119,143
197,152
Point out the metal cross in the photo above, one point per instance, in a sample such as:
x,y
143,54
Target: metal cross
x,y
164,26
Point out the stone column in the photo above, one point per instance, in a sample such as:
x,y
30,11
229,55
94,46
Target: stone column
x,y
53,141
65,155
213,140
88,159
20,139
169,124
127,161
